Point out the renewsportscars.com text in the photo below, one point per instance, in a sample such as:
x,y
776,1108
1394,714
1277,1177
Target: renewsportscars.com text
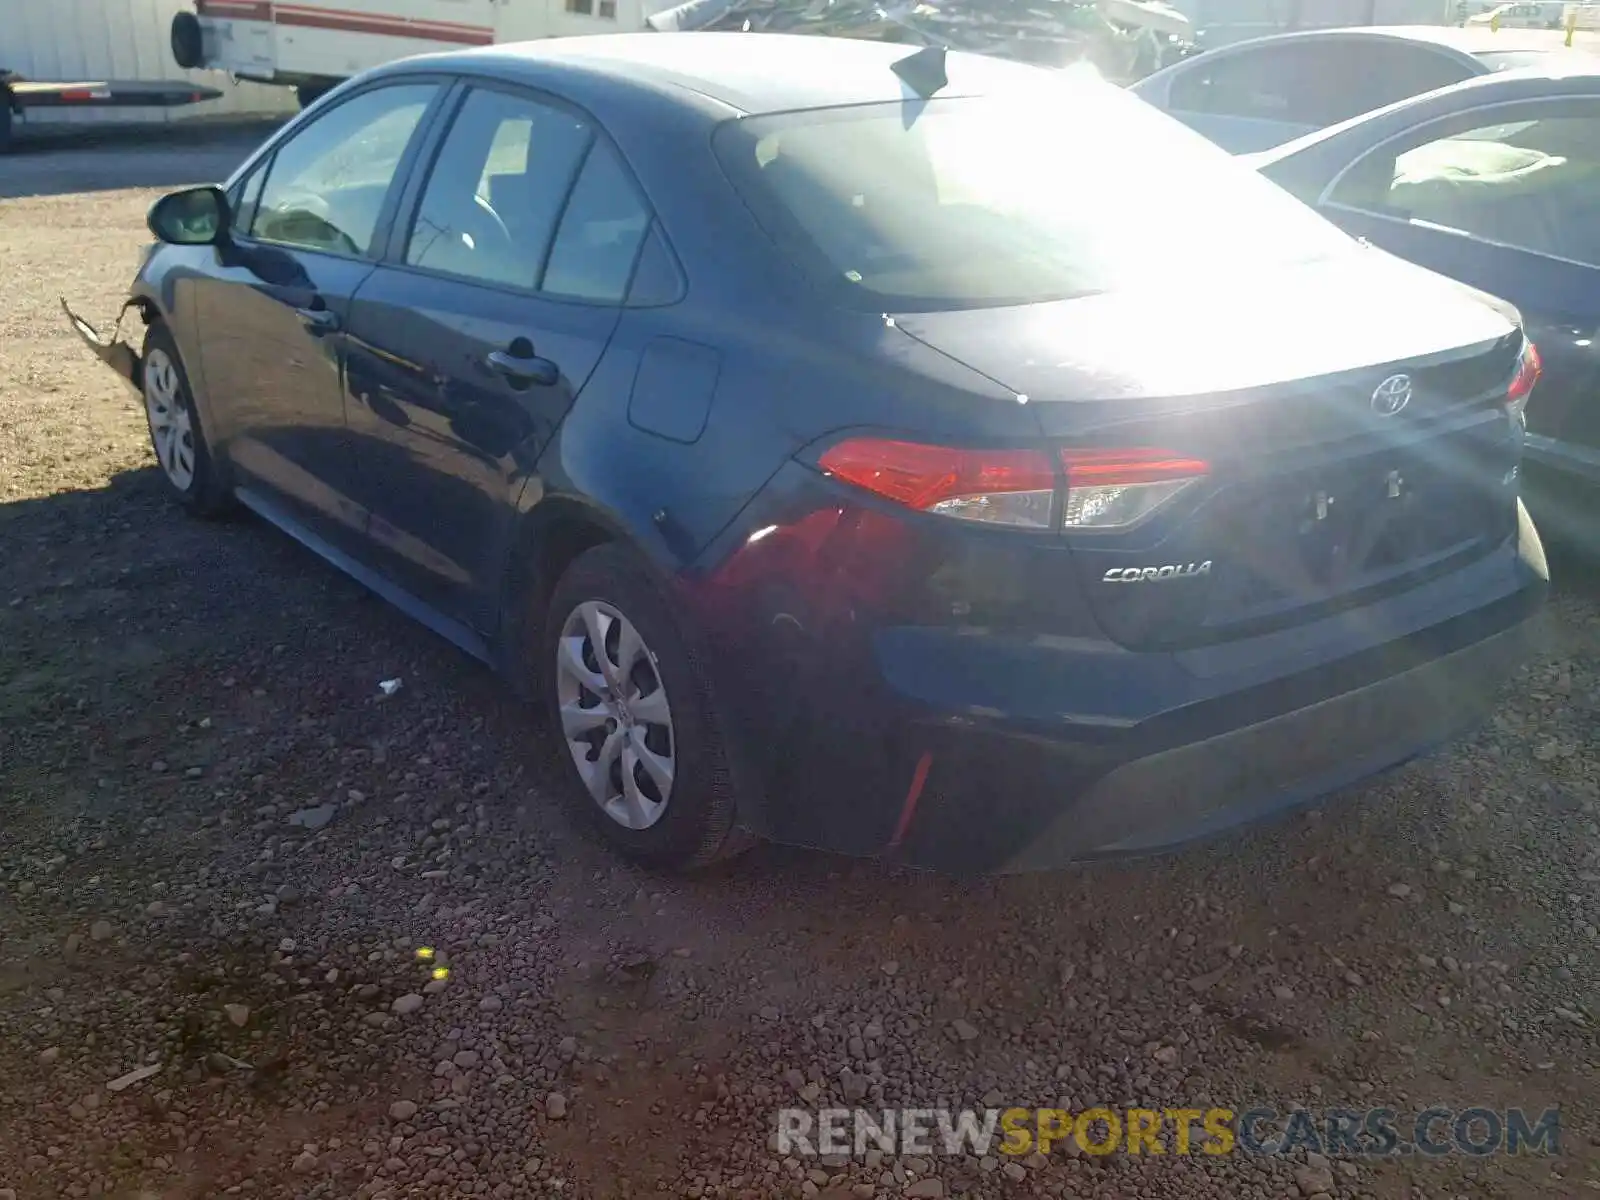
x,y
1213,1131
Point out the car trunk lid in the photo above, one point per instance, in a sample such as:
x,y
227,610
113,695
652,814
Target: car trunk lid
x,y
1323,490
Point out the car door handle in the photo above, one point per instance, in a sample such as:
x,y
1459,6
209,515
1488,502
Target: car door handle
x,y
317,321
524,368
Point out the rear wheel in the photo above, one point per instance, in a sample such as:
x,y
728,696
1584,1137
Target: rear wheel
x,y
6,117
175,434
642,744
309,93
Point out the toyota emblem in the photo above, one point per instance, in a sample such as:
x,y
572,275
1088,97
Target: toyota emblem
x,y
1390,396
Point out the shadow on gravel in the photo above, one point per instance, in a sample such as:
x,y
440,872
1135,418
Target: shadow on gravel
x,y
68,159
1574,572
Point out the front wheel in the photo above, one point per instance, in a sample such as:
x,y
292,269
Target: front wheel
x,y
645,754
175,434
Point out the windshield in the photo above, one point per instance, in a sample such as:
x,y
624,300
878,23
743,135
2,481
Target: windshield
x,y
972,202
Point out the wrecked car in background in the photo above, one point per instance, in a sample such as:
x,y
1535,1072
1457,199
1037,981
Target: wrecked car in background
x,y
1124,39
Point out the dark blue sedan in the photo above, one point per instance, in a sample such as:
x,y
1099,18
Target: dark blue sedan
x,y
846,447
1495,183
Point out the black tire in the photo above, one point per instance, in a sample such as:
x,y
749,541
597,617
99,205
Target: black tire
x,y
697,827
309,93
188,41
6,119
206,493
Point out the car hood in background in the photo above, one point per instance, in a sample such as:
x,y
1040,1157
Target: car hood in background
x,y
1362,309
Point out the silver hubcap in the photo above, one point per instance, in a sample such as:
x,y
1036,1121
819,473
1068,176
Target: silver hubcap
x,y
615,716
171,430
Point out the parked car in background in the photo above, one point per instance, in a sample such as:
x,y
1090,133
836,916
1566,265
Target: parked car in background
x,y
837,466
1496,183
1261,93
1530,14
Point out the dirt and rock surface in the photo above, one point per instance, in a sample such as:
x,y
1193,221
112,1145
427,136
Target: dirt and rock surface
x,y
221,848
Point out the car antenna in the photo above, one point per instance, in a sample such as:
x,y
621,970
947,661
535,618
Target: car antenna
x,y
923,72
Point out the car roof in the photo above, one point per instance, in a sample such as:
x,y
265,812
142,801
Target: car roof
x,y
1467,40
747,73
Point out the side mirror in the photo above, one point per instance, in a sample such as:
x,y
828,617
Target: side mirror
x,y
193,217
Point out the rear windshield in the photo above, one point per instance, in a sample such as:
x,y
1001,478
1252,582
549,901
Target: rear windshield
x,y
959,203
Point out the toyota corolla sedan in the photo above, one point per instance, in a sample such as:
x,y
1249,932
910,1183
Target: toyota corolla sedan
x,y
845,446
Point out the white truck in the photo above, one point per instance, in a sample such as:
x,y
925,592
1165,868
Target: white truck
x,y
313,46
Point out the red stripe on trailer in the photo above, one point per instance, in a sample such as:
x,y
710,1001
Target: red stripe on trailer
x,y
234,10
316,17
385,18
388,26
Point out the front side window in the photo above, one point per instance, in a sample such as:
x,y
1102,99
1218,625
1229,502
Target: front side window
x,y
1531,183
498,189
1009,199
245,198
327,184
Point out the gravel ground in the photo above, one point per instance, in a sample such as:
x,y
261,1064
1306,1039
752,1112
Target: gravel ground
x,y
172,693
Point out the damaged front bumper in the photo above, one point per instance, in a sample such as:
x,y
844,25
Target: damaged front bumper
x,y
114,352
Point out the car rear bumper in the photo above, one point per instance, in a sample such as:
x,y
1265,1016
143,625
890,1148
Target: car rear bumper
x,y
1191,790
1002,754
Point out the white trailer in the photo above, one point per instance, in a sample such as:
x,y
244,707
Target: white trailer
x,y
313,46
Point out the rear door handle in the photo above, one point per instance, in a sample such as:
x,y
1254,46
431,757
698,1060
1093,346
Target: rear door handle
x,y
523,368
318,321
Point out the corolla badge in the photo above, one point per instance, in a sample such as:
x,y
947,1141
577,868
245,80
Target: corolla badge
x,y
1390,396
1156,574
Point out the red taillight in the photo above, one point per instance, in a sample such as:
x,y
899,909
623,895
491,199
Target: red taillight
x,y
1529,367
999,487
1112,489
1104,488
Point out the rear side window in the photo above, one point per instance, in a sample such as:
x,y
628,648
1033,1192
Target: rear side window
x,y
328,182
600,235
497,189
1392,71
